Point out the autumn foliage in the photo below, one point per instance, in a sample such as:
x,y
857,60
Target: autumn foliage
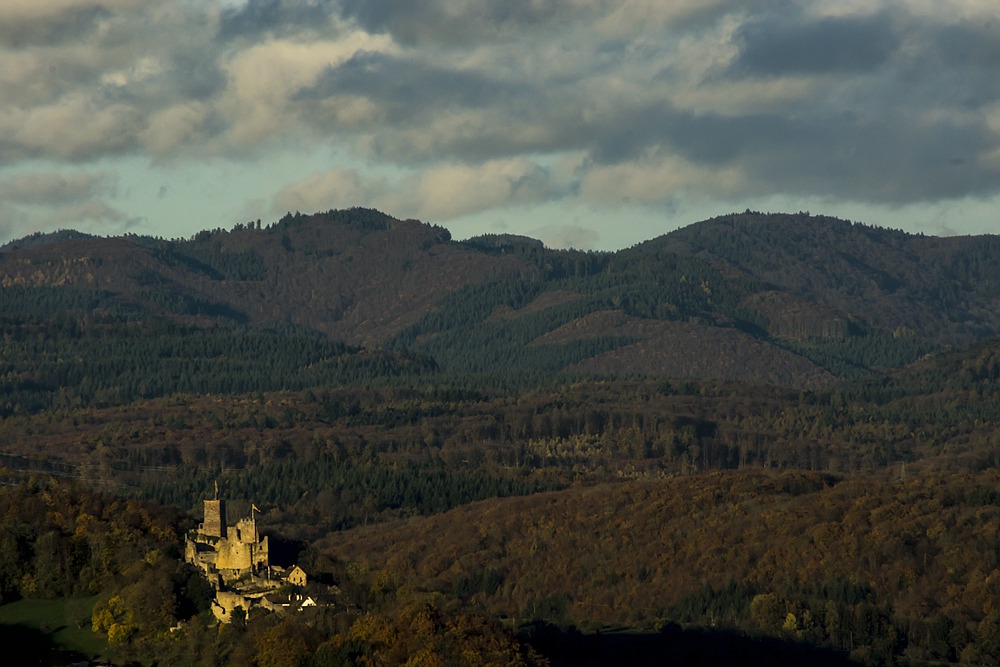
x,y
857,563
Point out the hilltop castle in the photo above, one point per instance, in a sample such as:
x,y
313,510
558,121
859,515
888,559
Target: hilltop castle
x,y
236,562
227,551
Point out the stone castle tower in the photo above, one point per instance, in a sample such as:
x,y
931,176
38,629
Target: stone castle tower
x,y
215,518
224,550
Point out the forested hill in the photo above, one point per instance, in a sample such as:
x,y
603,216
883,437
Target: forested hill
x,y
946,289
357,276
780,299
39,239
793,300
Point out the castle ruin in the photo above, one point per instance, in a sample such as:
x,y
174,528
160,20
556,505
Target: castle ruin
x,y
224,551
236,562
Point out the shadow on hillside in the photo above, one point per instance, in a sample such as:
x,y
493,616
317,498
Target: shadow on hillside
x,y
673,646
27,646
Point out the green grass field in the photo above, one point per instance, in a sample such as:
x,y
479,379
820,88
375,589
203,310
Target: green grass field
x,y
66,621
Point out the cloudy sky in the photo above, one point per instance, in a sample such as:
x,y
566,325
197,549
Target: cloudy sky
x,y
587,123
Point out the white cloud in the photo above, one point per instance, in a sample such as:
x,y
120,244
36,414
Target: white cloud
x,y
141,71
170,128
656,179
21,10
448,191
569,236
336,188
77,127
440,192
257,101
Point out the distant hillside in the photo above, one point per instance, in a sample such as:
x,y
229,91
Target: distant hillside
x,y
40,239
679,349
743,325
945,289
358,276
795,300
853,565
946,406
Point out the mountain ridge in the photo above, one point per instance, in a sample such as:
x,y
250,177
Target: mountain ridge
x,y
817,296
908,276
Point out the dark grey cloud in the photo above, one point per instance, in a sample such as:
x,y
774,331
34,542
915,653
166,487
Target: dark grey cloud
x,y
469,21
187,76
258,17
703,139
776,45
887,159
890,160
406,87
967,44
412,94
196,75
455,21
869,144
895,157
958,67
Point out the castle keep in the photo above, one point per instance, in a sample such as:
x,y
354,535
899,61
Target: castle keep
x,y
228,552
215,518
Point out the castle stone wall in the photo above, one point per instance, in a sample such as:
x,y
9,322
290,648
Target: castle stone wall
x,y
234,555
226,603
